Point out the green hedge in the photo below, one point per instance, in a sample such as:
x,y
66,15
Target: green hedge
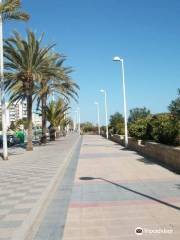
x,y
162,128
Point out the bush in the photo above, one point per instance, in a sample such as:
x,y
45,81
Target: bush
x,y
162,128
89,127
138,129
116,123
138,113
165,129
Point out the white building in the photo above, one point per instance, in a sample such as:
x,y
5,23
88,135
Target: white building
x,y
37,120
15,111
19,111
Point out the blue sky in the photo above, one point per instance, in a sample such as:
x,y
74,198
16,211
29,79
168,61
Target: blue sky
x,y
90,32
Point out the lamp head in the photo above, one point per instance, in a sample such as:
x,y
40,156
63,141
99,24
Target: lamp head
x,y
102,90
96,103
117,59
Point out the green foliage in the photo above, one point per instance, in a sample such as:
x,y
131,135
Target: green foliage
x,y
65,122
16,125
174,107
138,129
57,80
11,10
138,113
13,126
88,127
116,125
55,112
164,129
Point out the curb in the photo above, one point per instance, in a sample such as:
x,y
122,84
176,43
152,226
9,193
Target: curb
x,y
36,214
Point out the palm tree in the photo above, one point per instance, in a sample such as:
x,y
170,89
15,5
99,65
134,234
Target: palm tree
x,y
9,10
55,112
59,82
26,63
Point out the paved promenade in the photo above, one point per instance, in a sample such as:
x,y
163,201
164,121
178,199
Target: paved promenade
x,y
115,191
27,182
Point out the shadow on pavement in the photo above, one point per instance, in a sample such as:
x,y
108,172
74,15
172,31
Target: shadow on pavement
x,y
151,161
133,191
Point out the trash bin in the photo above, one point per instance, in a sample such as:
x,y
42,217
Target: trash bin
x,y
20,135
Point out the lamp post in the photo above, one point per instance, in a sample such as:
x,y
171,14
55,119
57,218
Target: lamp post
x,y
79,120
105,105
75,119
97,105
3,103
118,59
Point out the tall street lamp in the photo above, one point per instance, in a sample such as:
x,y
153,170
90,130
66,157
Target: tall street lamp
x,y
79,120
75,119
97,104
118,59
3,103
105,105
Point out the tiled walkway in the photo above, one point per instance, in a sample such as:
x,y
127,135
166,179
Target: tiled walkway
x,y
25,182
115,191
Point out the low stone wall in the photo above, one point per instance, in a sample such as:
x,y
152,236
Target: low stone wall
x,y
160,152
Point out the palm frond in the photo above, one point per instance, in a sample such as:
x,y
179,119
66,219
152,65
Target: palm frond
x,y
11,10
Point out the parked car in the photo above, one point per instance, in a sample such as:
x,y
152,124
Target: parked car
x,y
11,140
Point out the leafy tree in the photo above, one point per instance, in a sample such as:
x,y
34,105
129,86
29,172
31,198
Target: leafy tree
x,y
138,129
116,123
164,128
138,113
26,63
174,107
88,127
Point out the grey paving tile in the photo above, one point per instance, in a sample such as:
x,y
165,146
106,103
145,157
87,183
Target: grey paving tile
x,y
53,222
10,224
21,210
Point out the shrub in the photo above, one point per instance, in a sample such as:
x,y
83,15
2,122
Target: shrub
x,y
165,129
116,123
138,129
138,113
174,107
162,128
88,127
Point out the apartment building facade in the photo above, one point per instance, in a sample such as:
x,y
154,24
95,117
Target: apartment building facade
x,y
17,111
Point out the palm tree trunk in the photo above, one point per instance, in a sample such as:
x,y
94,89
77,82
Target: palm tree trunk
x,y
29,146
44,119
52,133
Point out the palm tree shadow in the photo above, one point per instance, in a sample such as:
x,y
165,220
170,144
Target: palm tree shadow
x,y
134,191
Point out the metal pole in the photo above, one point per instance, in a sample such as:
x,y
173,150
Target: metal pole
x,y
99,131
3,103
75,120
105,101
79,121
125,107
